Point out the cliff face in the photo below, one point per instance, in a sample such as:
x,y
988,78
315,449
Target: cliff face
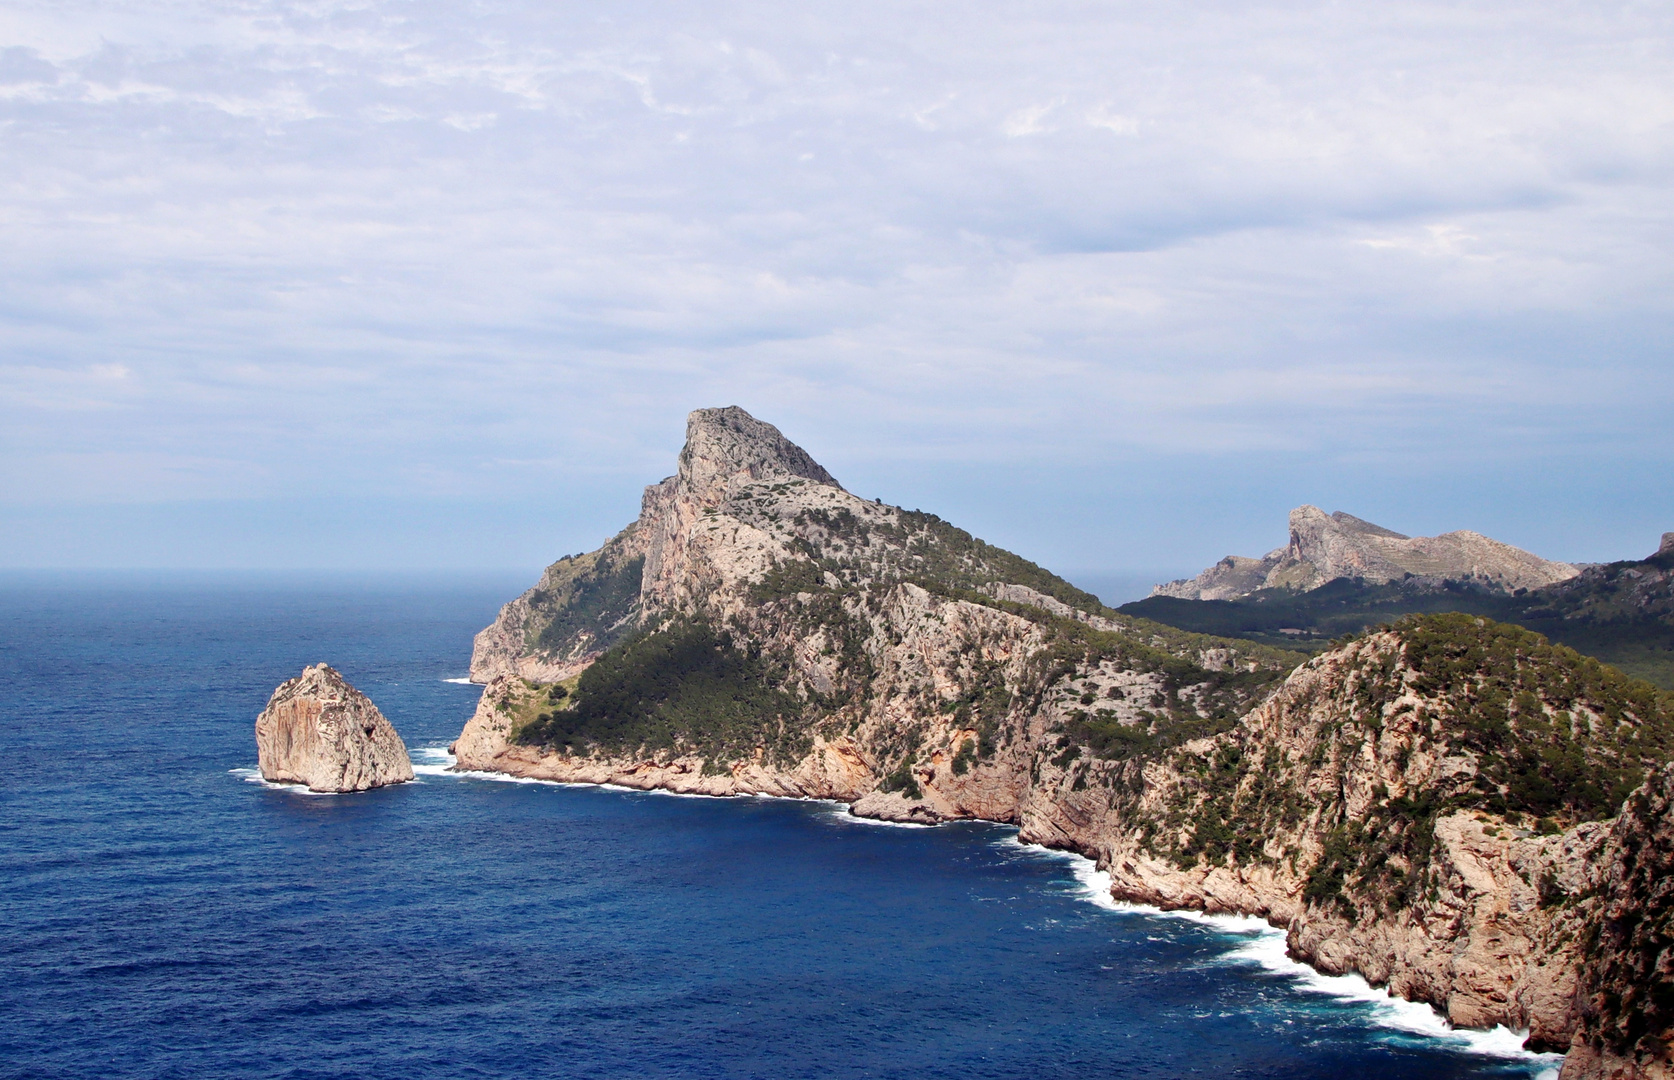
x,y
1426,805
1420,806
1325,547
320,731
1627,995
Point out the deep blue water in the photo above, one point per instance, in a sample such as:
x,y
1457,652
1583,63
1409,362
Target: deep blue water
x,y
161,916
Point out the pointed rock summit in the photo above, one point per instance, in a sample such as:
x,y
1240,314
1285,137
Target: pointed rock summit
x,y
759,630
320,731
1325,547
724,517
727,447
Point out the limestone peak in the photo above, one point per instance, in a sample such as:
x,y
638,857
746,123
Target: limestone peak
x,y
728,445
1325,547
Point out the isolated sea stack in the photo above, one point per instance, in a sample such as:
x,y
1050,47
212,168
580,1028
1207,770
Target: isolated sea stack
x,y
320,731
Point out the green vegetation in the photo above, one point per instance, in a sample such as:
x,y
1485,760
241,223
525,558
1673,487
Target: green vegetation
x,y
902,780
596,594
1523,705
681,687
952,557
1556,738
1215,702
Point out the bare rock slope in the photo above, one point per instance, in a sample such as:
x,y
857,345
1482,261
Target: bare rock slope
x,y
1429,805
1325,547
320,731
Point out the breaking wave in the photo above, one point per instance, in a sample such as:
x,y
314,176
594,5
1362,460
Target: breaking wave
x,y
1254,942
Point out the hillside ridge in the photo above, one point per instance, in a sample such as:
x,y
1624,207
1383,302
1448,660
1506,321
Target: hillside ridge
x,y
1430,804
1329,547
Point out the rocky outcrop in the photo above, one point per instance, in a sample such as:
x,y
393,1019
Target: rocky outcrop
x,y
582,605
1627,997
320,731
1363,809
1326,547
1423,805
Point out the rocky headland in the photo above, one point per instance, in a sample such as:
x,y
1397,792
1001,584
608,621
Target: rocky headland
x,y
320,731
1435,805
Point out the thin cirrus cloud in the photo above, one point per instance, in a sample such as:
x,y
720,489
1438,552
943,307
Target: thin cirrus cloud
x,y
1116,284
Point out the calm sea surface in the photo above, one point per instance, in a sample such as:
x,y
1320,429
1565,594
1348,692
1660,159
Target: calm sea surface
x,y
161,915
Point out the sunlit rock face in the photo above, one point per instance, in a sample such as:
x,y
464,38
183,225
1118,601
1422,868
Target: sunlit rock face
x,y
1428,804
320,731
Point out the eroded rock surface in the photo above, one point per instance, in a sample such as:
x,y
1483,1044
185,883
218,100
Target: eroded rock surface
x,y
1627,995
320,731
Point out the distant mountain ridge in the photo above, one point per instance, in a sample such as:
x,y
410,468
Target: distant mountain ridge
x,y
1621,612
1328,547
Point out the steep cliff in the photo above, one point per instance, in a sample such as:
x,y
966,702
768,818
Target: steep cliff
x,y
764,588
1328,547
1627,994
320,731
1428,805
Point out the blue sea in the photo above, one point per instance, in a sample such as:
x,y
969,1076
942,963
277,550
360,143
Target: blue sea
x,y
163,913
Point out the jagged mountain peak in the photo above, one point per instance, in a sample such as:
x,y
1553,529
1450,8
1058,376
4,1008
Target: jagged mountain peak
x,y
748,514
727,445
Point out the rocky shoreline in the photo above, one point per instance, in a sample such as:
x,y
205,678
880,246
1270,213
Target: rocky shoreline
x,y
1481,951
1431,806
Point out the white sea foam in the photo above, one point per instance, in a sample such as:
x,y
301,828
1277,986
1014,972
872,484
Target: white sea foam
x,y
1264,945
436,761
840,812
254,776
431,760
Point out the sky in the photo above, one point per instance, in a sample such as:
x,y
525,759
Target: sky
x,y
412,285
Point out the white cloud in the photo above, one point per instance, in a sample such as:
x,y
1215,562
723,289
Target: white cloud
x,y
1101,238
1030,120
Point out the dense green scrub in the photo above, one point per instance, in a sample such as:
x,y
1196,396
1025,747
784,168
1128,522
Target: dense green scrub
x,y
1554,731
597,594
681,687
